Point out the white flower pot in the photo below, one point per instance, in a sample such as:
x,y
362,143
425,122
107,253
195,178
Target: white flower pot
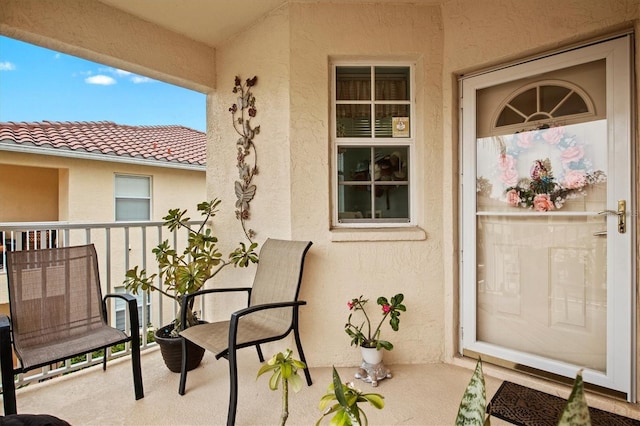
x,y
372,369
371,355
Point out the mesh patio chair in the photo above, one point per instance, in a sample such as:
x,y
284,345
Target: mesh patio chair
x,y
57,313
272,313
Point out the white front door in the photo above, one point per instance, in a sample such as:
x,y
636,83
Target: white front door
x,y
547,230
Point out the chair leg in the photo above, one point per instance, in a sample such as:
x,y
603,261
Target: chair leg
x,y
260,356
104,359
6,363
183,368
137,368
233,389
307,374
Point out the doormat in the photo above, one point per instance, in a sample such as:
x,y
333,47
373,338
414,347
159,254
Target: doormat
x,y
524,406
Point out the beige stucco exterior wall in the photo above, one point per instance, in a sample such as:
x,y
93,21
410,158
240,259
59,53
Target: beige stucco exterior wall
x,y
290,51
28,194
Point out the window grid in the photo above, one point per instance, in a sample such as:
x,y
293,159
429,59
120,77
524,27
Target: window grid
x,y
380,141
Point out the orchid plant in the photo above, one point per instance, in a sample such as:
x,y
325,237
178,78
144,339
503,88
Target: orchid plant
x,y
366,336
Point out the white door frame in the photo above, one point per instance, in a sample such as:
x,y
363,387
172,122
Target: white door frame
x,y
621,311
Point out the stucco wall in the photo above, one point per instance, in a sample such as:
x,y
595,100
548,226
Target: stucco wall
x,y
290,51
89,186
28,194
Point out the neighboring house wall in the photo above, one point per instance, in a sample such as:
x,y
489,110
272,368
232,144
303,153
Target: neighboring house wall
x,y
290,51
77,190
28,194
88,187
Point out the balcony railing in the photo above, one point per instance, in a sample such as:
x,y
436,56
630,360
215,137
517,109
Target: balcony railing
x,y
120,246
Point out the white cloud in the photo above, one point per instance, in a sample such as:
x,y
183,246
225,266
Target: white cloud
x,y
7,66
103,80
120,73
137,79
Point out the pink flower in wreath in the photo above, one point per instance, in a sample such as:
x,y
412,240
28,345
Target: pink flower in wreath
x,y
553,135
509,177
573,154
513,197
386,309
524,139
542,203
575,179
506,162
350,304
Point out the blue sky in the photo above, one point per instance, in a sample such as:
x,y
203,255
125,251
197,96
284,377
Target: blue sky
x,y
38,84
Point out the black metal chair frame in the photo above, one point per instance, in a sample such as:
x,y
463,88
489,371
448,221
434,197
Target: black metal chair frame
x,y
230,353
6,353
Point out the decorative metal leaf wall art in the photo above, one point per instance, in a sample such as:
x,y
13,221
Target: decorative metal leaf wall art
x,y
242,112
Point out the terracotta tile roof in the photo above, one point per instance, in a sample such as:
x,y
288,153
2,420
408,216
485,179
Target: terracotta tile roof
x,y
163,144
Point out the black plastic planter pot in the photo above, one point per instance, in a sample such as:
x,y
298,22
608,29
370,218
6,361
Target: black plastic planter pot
x,y
171,349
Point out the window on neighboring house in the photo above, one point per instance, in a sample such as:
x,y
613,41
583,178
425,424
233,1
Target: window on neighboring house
x,y
372,139
121,309
133,197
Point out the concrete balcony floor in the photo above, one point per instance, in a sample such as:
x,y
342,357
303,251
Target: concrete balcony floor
x,y
426,394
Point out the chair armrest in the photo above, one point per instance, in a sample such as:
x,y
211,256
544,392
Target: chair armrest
x,y
5,322
276,305
235,317
132,305
186,299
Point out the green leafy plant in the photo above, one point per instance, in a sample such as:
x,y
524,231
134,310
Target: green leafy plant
x,y
471,411
370,338
285,370
346,410
186,272
576,411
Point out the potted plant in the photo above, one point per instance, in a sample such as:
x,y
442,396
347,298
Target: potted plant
x,y
184,273
368,338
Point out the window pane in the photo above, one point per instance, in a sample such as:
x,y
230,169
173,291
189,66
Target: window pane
x,y
391,163
526,102
509,116
353,83
392,201
392,121
353,121
392,83
353,163
574,104
132,186
550,97
132,209
354,202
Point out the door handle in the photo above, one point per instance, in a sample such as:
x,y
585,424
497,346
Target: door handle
x,y
622,215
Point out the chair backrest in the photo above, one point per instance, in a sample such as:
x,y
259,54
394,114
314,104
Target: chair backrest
x,y
53,294
278,278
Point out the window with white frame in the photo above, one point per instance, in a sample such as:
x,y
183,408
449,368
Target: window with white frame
x,y
373,140
132,197
121,309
